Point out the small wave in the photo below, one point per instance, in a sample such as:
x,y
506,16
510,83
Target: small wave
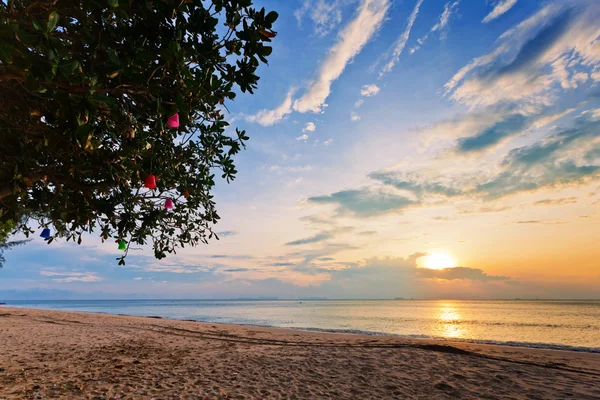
x,y
530,345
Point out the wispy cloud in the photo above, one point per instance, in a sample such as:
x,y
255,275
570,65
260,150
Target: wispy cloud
x,y
351,40
441,26
71,276
354,116
500,8
556,202
400,43
303,137
325,15
271,117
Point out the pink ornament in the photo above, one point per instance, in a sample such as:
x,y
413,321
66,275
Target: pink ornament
x,y
169,204
173,121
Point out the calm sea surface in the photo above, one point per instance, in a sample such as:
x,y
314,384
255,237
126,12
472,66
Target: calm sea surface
x,y
550,324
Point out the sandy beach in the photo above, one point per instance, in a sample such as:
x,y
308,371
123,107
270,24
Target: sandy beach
x,y
68,355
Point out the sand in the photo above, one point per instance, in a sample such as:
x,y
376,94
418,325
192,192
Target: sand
x,y
68,355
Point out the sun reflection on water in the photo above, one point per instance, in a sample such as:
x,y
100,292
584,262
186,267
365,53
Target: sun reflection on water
x,y
449,320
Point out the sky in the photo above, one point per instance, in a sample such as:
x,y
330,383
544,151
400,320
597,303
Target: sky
x,y
416,149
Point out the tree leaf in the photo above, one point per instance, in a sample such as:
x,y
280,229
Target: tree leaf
x,y
52,21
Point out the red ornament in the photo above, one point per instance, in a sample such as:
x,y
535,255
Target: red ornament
x,y
186,194
173,121
169,204
150,182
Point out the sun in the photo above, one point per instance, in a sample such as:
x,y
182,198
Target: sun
x,y
439,261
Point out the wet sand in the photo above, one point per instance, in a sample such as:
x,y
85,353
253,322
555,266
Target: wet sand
x,y
68,355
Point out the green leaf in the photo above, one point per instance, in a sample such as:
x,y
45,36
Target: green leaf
x,y
271,17
6,50
113,3
52,21
113,57
70,66
37,26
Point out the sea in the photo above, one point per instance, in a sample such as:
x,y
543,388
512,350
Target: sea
x,y
551,324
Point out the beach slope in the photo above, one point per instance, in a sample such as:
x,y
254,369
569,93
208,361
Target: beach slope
x,y
68,355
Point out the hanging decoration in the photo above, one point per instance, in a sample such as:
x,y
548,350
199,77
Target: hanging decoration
x,y
46,233
173,121
122,245
186,194
150,182
169,204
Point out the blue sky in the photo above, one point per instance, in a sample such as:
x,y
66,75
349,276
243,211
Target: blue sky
x,y
384,133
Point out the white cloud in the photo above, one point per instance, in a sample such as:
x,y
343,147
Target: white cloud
x,y
310,127
325,15
369,90
555,49
350,42
359,103
138,278
500,8
303,137
441,26
401,41
71,276
354,116
328,142
292,168
271,117
89,259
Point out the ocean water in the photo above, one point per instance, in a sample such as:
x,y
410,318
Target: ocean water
x,y
572,325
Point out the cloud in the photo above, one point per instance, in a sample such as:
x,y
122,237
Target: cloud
x,y
328,142
359,103
325,15
138,278
282,264
500,8
354,116
415,184
367,233
227,233
560,159
271,117
351,40
451,274
290,168
556,202
364,203
310,127
369,90
303,137
441,26
319,237
89,259
553,50
71,276
401,41
529,222
493,135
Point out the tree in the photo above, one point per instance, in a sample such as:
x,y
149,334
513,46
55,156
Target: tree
x,y
86,90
